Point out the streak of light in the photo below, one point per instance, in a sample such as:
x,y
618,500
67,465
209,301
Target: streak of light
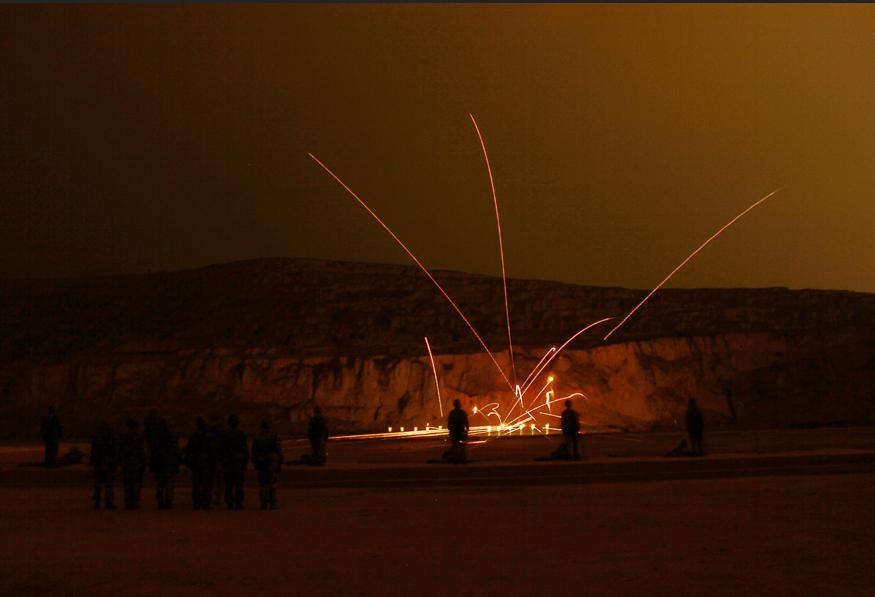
x,y
417,262
548,353
434,370
562,347
546,385
518,399
568,397
685,261
500,246
550,415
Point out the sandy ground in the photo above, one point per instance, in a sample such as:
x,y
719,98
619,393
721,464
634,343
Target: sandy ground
x,y
525,447
380,521
811,535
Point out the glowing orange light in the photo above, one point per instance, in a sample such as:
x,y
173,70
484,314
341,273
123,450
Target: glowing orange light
x,y
564,344
529,376
500,246
684,262
417,262
436,384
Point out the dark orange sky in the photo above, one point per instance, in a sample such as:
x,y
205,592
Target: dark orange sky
x,y
161,137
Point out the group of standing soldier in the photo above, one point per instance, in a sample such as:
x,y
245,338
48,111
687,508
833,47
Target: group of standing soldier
x,y
217,459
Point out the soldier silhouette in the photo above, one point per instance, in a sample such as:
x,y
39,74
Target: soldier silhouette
x,y
457,426
216,434
164,460
104,460
50,431
132,456
695,427
571,430
317,433
200,459
267,458
235,456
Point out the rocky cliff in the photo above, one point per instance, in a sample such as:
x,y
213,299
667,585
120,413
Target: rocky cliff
x,y
276,336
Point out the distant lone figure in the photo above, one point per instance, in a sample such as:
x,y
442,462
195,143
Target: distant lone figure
x,y
235,456
104,460
317,433
695,427
571,430
457,426
132,456
50,431
267,458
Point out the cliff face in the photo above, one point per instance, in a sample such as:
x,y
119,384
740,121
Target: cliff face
x,y
276,336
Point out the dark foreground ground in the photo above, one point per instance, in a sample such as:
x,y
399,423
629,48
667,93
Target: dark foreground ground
x,y
809,535
802,525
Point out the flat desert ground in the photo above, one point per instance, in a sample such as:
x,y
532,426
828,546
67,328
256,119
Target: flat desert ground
x,y
799,529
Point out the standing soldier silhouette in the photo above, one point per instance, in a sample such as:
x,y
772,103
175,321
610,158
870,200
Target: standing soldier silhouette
x,y
457,426
132,456
695,427
164,460
216,437
50,431
267,458
197,459
104,460
235,455
571,430
317,433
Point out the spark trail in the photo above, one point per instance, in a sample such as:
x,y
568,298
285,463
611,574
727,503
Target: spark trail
x,y
548,353
685,261
500,247
417,262
434,370
546,362
534,375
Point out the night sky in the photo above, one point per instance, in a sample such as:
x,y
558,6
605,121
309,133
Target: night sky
x,y
138,138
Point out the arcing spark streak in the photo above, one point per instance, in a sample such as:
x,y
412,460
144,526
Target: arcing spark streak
x,y
504,422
